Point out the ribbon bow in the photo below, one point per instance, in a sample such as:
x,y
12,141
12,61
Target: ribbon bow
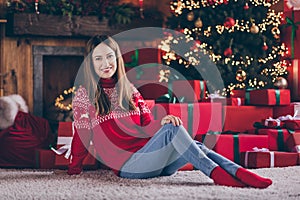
x,y
215,95
66,148
281,118
256,149
66,142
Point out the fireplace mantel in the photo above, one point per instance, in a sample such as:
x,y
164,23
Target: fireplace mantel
x,y
31,24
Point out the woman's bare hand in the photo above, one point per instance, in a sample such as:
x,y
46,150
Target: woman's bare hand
x,y
176,121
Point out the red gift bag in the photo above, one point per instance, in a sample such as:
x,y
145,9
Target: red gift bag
x,y
19,142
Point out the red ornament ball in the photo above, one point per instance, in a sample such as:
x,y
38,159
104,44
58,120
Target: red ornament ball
x,y
212,2
228,52
198,42
265,47
229,22
246,6
225,2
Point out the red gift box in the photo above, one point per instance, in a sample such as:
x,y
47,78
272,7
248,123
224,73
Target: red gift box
x,y
238,93
232,101
89,162
270,97
177,109
143,72
190,90
197,118
242,118
287,33
65,129
44,159
292,124
64,140
293,142
151,89
236,101
230,146
141,56
221,100
277,138
291,109
253,159
47,159
142,64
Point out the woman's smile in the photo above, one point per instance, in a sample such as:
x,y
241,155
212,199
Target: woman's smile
x,y
106,69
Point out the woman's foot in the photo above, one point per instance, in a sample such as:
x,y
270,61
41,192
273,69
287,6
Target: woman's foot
x,y
252,179
221,177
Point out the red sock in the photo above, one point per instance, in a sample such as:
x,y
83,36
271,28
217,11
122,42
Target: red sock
x,y
252,179
221,177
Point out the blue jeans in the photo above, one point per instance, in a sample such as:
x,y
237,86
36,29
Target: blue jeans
x,y
170,149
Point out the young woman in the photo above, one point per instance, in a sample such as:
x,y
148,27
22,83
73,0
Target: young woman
x,y
110,112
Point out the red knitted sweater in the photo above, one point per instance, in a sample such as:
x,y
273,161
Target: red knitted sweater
x,y
115,136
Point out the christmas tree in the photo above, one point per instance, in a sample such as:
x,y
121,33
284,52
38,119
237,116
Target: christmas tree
x,y
242,37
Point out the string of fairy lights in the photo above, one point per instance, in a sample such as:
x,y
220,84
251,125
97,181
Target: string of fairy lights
x,y
273,19
62,97
180,5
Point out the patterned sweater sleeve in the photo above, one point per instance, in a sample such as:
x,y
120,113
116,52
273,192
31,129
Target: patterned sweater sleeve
x,y
145,113
147,124
82,131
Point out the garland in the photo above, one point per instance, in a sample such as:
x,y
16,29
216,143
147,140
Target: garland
x,y
66,94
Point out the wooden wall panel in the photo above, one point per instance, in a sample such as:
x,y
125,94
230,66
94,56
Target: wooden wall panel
x,y
16,54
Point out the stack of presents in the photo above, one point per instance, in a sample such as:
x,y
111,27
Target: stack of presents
x,y
255,129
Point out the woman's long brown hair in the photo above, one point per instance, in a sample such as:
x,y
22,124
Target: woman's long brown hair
x,y
91,79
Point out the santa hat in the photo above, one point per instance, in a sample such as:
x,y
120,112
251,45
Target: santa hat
x,y
9,107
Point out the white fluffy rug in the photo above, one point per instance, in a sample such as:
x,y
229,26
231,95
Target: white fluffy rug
x,y
103,184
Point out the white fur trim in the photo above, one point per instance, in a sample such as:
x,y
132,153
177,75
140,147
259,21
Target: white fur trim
x,y
8,112
20,102
9,107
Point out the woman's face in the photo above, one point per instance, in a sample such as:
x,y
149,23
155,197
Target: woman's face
x,y
104,60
